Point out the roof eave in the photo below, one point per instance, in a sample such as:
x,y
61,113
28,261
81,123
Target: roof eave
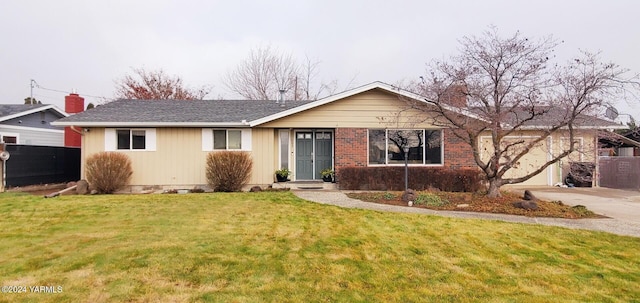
x,y
583,127
355,91
624,139
35,110
151,124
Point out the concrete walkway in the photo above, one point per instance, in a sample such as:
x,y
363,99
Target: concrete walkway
x,y
615,203
611,225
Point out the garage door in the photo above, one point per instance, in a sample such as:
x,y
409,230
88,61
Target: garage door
x,y
535,158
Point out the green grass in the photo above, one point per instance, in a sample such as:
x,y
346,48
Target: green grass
x,y
274,247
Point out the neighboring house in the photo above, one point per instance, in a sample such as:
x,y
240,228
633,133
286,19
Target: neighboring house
x,y
168,141
613,144
29,124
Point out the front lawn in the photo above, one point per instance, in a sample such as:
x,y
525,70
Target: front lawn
x,y
274,247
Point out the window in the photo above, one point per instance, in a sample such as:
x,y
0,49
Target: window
x,y
577,154
284,149
131,139
142,139
10,139
227,139
387,146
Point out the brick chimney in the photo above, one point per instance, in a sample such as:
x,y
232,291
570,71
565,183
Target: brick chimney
x,y
73,104
455,95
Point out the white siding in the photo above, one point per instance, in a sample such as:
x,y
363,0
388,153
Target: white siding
x,y
31,136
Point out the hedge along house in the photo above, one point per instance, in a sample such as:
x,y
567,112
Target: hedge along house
x,y
168,140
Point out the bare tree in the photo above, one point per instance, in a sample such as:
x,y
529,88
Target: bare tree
x,y
267,71
496,87
156,85
306,87
29,100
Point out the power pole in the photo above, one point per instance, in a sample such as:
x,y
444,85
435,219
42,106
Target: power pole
x,y
32,84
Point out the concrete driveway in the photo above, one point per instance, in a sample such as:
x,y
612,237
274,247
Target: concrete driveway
x,y
619,204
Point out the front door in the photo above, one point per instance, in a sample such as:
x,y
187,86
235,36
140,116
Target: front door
x,y
304,155
314,153
324,147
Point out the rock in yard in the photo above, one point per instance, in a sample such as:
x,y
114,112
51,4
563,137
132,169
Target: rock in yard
x,y
255,189
462,205
82,187
529,196
526,204
409,195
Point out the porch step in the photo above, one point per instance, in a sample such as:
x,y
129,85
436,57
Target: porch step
x,y
306,185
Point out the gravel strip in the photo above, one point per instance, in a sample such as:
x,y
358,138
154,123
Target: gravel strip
x,y
338,198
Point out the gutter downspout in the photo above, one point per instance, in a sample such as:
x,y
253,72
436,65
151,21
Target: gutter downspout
x,y
73,128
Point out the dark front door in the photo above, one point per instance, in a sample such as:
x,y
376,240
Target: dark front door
x,y
324,146
314,153
304,156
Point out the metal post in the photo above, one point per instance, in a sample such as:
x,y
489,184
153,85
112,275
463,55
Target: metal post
x,y
4,156
4,175
32,84
406,168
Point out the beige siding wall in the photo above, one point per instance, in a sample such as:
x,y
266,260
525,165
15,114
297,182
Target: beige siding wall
x,y
179,159
372,109
92,142
552,145
264,155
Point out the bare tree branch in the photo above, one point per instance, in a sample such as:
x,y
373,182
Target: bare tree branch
x,y
267,71
509,85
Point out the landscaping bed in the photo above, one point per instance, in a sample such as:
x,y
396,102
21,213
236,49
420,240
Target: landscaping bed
x,y
477,202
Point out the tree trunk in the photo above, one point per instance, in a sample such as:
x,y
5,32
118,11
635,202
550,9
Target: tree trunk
x,y
494,189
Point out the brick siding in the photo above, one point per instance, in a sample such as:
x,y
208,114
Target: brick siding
x,y
457,153
351,147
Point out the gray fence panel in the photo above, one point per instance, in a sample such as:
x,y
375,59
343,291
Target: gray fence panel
x,y
620,172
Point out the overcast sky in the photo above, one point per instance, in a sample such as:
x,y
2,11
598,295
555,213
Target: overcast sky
x,y
86,45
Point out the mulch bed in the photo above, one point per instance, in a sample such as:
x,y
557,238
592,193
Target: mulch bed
x,y
478,202
40,189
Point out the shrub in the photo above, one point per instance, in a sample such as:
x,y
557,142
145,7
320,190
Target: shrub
x,y
108,172
430,199
388,196
420,178
228,171
582,211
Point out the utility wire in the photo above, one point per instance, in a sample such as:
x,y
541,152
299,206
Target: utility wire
x,y
64,92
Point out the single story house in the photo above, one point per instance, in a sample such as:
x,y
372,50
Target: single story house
x,y
29,124
168,140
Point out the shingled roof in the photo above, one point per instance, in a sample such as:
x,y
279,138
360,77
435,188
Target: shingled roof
x,y
249,113
12,109
550,117
177,113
